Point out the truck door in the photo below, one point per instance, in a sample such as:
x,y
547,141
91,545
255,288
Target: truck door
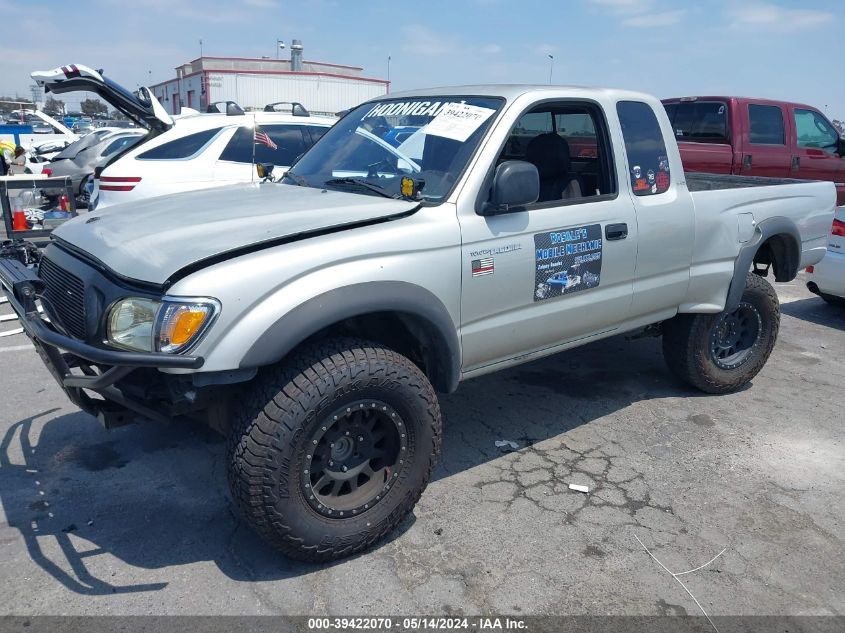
x,y
562,268
765,151
815,147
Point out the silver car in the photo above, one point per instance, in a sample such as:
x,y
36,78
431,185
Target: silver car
x,y
78,160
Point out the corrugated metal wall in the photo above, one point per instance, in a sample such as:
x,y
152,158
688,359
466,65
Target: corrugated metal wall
x,y
317,93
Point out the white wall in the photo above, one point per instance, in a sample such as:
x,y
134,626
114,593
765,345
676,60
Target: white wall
x,y
318,93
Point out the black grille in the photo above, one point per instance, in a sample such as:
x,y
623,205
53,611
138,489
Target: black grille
x,y
66,296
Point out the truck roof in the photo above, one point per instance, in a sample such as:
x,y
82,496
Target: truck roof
x,y
738,100
512,91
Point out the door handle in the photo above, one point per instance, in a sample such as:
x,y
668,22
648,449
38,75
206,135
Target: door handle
x,y
796,162
616,231
746,160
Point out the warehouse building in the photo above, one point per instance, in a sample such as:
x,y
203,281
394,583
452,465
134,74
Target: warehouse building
x,y
321,87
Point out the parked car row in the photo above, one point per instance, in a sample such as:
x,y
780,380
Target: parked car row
x,y
193,151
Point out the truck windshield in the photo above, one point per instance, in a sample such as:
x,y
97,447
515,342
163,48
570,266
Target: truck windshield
x,y
380,143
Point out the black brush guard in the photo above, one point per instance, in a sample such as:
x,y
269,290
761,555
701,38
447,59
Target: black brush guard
x,y
101,368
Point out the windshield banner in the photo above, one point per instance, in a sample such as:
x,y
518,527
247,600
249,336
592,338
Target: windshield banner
x,y
456,121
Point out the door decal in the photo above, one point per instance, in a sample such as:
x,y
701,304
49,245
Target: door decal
x,y
567,261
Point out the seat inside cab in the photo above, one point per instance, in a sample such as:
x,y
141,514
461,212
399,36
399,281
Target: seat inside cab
x,y
566,142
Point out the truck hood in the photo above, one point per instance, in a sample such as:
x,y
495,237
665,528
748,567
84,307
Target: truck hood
x,y
151,240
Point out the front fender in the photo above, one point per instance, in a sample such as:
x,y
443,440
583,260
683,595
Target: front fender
x,y
359,299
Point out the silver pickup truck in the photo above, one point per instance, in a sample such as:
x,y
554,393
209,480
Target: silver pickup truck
x,y
427,238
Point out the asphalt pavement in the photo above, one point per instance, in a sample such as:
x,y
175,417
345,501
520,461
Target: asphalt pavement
x,y
138,520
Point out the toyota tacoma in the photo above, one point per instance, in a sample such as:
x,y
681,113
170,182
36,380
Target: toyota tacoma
x,y
314,319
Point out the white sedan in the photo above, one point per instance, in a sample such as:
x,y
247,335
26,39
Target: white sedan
x,y
827,278
192,151
207,150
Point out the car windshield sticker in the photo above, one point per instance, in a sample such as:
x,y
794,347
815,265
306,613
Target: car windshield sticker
x,y
458,121
567,261
405,108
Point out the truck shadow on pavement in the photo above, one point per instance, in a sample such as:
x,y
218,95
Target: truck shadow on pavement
x,y
816,310
153,496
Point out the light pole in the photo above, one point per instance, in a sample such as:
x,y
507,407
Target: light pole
x,y
200,47
279,46
388,73
551,67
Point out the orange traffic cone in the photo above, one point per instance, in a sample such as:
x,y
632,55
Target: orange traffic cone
x,y
19,221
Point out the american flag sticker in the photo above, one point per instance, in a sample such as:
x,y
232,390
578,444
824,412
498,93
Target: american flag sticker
x,y
482,266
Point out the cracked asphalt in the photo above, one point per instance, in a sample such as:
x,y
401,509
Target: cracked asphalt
x,y
138,520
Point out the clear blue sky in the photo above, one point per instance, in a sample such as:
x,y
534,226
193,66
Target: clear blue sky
x,y
763,48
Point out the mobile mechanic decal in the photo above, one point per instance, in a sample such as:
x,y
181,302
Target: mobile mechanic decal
x,y
567,261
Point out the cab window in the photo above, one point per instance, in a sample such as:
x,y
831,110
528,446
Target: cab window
x,y
812,130
648,163
568,144
766,125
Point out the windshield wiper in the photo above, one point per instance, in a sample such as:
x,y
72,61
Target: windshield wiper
x,y
360,182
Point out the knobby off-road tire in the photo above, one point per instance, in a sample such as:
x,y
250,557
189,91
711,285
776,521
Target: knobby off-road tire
x,y
719,353
333,448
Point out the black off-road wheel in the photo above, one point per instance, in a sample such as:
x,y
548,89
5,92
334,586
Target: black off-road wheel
x,y
334,448
719,353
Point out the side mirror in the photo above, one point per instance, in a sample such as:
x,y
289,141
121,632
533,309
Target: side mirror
x,y
840,146
515,184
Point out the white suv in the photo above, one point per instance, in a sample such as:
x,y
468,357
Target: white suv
x,y
193,151
207,150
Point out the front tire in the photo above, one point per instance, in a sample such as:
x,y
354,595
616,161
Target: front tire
x,y
719,353
334,448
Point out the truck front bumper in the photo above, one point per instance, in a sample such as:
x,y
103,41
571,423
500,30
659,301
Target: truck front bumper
x,y
99,369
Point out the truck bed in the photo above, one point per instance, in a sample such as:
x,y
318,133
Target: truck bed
x,y
697,181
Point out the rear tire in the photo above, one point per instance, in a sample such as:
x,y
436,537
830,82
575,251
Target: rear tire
x,y
334,448
719,353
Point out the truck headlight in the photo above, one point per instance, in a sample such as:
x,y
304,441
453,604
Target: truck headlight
x,y
170,325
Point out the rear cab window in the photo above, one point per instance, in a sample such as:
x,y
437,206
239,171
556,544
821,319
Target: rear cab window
x,y
181,148
765,125
648,161
699,121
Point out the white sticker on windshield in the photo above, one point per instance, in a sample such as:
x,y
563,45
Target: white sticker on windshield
x,y
458,121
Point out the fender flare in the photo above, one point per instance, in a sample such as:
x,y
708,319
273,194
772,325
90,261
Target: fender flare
x,y
360,299
767,228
